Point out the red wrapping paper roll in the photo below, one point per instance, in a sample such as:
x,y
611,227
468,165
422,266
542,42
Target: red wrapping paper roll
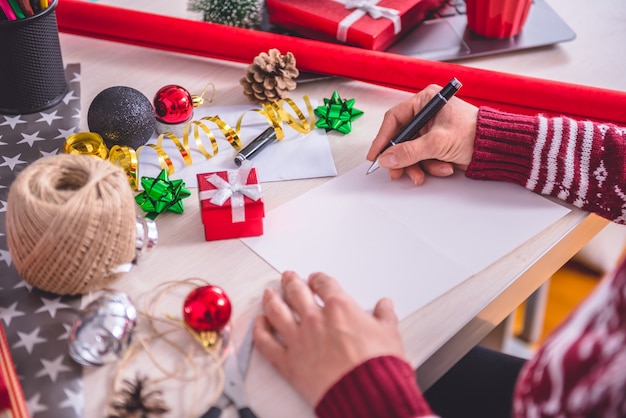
x,y
504,91
12,401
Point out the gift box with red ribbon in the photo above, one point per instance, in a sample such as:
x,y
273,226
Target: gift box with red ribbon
x,y
12,402
231,204
371,24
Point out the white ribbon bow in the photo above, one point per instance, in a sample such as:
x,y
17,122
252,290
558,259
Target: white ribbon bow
x,y
234,189
364,7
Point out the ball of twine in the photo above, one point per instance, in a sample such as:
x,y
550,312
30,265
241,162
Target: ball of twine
x,y
70,221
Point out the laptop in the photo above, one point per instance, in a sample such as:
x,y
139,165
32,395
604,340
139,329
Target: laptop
x,y
444,36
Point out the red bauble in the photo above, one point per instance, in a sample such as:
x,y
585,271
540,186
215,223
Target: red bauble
x,y
207,308
173,104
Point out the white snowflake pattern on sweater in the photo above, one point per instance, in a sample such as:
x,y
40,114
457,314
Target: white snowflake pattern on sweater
x,y
580,371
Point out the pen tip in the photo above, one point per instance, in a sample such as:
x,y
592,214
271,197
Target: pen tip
x,y
373,167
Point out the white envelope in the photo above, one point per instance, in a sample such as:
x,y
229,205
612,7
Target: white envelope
x,y
296,156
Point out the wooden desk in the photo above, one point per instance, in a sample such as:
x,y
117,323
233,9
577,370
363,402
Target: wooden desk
x,y
435,336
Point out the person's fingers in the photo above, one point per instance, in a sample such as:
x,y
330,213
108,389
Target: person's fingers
x,y
388,129
278,314
437,168
416,174
426,147
297,294
394,120
385,312
395,174
324,286
268,345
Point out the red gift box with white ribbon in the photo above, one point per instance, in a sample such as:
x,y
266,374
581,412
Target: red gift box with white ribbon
x,y
231,204
371,24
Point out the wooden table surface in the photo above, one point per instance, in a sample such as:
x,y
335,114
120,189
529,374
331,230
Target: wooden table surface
x,y
436,335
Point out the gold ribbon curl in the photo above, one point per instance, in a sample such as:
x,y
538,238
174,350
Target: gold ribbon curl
x,y
276,114
87,143
91,143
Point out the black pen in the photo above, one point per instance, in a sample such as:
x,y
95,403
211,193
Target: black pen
x,y
267,137
421,119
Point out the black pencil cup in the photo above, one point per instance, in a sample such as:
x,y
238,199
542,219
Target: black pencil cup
x,y
32,77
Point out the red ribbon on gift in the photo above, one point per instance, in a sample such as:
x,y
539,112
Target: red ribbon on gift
x,y
234,189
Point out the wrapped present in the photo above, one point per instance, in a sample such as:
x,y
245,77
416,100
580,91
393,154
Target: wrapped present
x,y
12,402
371,24
231,204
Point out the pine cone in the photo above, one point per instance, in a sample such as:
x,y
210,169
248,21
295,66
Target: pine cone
x,y
134,401
270,77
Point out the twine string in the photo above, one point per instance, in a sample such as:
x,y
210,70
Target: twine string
x,y
165,328
70,221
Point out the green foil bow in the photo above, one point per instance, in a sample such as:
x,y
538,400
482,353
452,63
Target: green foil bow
x,y
337,114
161,194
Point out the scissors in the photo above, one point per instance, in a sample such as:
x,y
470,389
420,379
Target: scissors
x,y
235,366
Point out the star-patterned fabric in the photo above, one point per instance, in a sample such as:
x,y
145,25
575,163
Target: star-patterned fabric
x,y
37,323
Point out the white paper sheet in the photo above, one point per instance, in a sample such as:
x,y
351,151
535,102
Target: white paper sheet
x,y
389,238
297,156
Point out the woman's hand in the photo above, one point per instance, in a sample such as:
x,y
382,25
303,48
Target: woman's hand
x,y
446,142
313,346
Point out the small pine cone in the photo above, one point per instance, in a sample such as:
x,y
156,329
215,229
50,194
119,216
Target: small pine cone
x,y
270,77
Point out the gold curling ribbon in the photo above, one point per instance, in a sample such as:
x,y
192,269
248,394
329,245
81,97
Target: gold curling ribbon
x,y
276,114
127,158
301,124
183,149
232,136
199,100
89,143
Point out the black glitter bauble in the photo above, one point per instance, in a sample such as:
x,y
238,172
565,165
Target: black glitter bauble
x,y
122,116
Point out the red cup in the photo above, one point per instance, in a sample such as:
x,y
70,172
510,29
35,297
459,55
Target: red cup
x,y
497,18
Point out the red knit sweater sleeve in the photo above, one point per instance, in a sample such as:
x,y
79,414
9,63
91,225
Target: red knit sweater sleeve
x,y
382,387
580,162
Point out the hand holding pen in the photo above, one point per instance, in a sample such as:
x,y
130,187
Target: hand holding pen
x,y
446,141
421,118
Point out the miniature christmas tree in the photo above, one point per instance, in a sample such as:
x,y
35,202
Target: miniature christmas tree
x,y
240,13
